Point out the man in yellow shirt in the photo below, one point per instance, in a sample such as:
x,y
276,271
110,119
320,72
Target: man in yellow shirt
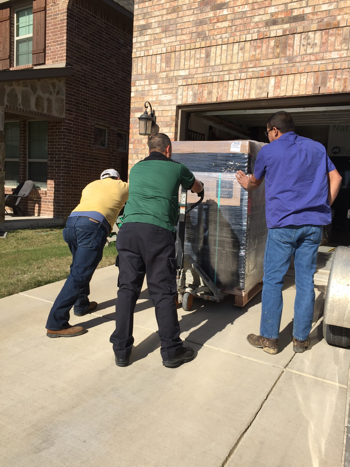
x,y
86,232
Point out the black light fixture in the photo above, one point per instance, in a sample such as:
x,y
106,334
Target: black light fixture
x,y
146,120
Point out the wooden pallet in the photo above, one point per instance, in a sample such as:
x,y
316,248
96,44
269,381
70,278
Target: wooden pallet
x,y
242,297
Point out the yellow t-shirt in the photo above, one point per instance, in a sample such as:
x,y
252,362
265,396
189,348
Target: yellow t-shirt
x,y
104,197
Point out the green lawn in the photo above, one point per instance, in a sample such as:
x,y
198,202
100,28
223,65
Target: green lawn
x,y
31,258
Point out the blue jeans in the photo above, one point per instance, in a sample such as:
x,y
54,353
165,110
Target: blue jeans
x,y
301,242
86,240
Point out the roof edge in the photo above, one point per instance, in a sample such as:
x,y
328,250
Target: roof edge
x,y
35,73
116,6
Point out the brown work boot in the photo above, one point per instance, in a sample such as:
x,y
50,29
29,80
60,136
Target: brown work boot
x,y
300,346
92,307
268,345
72,331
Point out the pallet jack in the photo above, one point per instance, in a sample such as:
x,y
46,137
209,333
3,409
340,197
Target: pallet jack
x,y
202,286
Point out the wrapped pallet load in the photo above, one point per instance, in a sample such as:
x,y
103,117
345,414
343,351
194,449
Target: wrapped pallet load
x,y
226,234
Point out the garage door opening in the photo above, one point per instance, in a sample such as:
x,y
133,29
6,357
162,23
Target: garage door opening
x,y
325,119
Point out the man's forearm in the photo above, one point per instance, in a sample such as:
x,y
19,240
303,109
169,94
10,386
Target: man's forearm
x,y
197,186
251,185
334,183
333,193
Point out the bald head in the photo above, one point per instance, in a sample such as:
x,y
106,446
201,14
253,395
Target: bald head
x,y
159,142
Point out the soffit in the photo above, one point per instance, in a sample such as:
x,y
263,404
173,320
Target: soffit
x,y
127,4
314,116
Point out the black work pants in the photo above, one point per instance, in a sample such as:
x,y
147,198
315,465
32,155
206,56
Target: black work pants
x,y
146,249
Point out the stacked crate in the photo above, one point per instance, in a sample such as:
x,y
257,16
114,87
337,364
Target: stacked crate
x,y
226,233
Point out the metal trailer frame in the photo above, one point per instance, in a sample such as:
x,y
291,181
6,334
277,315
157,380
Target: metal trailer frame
x,y
202,287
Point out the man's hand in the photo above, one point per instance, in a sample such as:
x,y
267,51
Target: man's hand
x,y
248,182
201,193
242,179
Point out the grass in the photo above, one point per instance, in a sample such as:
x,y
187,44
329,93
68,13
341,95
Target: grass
x,y
31,258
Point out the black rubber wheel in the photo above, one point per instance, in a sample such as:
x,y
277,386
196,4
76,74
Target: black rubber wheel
x,y
336,335
187,301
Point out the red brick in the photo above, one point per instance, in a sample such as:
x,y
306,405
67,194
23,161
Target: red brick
x,y
236,55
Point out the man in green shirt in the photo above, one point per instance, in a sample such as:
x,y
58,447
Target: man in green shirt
x,y
146,245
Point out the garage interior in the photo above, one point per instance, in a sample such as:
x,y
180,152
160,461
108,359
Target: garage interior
x,y
325,119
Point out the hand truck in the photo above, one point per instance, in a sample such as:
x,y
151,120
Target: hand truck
x,y
202,286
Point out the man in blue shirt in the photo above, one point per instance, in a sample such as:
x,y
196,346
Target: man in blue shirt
x,y
301,184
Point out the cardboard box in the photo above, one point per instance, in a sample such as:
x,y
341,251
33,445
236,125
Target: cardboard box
x,y
226,233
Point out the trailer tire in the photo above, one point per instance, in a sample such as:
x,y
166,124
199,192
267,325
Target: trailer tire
x,y
337,300
336,335
187,301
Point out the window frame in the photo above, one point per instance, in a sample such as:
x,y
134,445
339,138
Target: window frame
x,y
15,38
126,134
9,185
41,185
106,143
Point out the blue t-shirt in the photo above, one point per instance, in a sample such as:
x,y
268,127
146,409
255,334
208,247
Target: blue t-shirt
x,y
296,181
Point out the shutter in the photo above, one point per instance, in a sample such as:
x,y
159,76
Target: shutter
x,y
5,39
39,31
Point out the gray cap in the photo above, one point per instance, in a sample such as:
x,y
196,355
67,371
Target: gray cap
x,y
109,173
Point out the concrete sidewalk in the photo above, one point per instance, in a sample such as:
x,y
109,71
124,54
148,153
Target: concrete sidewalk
x,y
13,222
64,402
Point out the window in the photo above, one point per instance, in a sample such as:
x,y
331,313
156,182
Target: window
x,y
26,35
11,153
122,141
23,36
37,152
100,137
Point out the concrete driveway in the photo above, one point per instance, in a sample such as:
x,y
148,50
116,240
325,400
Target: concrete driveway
x,y
64,402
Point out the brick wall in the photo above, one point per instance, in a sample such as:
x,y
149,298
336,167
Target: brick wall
x,y
96,42
189,52
99,47
56,31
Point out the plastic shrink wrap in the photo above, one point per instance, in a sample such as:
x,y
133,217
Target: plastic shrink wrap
x,y
226,233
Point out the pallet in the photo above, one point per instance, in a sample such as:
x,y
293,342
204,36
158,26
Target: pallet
x,y
242,297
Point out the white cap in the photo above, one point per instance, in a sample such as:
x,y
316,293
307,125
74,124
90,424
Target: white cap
x,y
109,173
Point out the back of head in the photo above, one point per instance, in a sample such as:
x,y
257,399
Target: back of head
x,y
282,120
159,142
110,173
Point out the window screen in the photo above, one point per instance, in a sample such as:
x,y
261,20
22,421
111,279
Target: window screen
x,y
11,153
37,152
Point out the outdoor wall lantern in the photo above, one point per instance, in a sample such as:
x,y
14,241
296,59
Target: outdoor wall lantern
x,y
146,120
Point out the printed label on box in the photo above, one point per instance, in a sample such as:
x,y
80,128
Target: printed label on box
x,y
222,189
236,146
